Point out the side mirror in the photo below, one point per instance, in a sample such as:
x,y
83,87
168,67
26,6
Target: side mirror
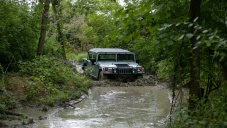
x,y
93,61
137,61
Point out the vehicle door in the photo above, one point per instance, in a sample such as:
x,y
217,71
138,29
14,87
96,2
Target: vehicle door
x,y
89,62
94,66
97,66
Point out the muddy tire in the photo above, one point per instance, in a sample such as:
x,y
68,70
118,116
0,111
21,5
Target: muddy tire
x,y
101,76
139,76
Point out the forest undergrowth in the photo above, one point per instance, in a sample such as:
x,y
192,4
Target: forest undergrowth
x,y
45,80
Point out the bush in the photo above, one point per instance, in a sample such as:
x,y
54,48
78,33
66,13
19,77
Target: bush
x,y
212,114
51,80
7,101
80,56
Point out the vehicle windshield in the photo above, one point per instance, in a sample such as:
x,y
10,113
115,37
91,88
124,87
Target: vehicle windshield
x,y
106,57
125,57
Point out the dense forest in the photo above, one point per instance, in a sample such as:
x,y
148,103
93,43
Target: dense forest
x,y
182,41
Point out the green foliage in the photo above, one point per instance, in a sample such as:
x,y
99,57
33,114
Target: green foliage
x,y
88,71
51,46
100,20
80,56
1,76
71,56
164,69
18,32
211,114
7,101
51,80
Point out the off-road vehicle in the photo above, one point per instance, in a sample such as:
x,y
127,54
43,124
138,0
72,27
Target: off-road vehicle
x,y
112,63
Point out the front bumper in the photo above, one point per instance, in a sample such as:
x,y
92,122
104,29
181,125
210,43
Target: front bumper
x,y
123,71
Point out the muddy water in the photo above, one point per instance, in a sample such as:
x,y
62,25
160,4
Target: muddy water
x,y
114,107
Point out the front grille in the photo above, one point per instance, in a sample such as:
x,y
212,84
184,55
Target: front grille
x,y
124,71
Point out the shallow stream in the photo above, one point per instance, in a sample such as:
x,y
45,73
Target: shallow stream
x,y
114,107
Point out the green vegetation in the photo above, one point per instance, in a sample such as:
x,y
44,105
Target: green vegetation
x,y
210,115
182,41
45,80
79,57
18,32
50,80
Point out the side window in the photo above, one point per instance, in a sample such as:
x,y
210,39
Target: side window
x,y
106,57
89,56
94,56
125,57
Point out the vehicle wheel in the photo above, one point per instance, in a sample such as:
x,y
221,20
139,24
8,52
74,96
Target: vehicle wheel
x,y
138,77
101,76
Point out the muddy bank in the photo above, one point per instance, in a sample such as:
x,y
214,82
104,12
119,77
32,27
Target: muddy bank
x,y
25,116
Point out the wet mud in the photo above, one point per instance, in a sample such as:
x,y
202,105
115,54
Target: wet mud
x,y
147,80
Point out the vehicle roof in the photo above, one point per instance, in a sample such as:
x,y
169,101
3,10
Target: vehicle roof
x,y
107,50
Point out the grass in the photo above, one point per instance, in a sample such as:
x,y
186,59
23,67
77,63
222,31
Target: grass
x,y
78,57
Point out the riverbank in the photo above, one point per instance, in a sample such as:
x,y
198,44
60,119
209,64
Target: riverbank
x,y
40,84
31,114
27,116
139,99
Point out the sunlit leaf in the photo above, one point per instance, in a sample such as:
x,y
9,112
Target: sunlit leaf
x,y
195,47
189,35
198,37
196,26
195,19
177,24
205,31
181,37
198,43
190,25
211,37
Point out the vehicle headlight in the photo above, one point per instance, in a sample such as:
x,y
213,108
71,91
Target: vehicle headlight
x,y
140,69
114,70
134,70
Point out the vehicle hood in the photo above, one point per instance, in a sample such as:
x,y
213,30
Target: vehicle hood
x,y
117,64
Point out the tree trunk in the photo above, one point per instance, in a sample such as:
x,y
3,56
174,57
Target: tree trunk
x,y
195,58
56,5
43,28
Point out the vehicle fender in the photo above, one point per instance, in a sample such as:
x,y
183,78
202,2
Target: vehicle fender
x,y
100,68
